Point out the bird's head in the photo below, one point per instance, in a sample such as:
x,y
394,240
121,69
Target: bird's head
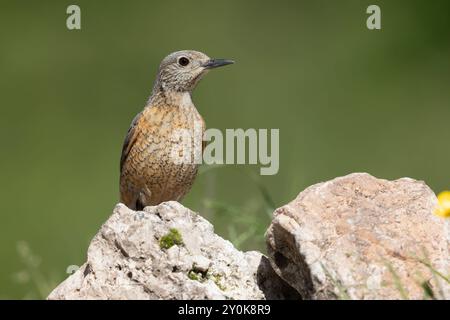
x,y
181,71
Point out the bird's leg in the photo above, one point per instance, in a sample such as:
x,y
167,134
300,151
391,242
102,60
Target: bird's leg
x,y
143,199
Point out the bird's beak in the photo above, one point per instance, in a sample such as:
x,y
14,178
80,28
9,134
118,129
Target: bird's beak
x,y
215,63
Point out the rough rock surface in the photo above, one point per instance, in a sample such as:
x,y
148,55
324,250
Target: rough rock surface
x,y
360,237
168,252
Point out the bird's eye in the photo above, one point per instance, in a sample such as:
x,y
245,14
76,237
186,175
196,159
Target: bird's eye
x,y
183,61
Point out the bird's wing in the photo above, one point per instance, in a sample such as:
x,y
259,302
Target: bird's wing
x,y
130,140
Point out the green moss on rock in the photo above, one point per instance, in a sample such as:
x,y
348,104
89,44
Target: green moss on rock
x,y
195,276
170,239
203,276
217,279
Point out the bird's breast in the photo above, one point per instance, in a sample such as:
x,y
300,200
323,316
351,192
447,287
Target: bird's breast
x,y
166,136
166,151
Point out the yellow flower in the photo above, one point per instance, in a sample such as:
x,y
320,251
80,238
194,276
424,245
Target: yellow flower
x,y
443,208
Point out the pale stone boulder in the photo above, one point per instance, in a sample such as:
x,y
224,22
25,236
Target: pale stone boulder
x,y
359,237
168,252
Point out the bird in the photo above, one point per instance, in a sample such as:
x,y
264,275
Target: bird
x,y
149,172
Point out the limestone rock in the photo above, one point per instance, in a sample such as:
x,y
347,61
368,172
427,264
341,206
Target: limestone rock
x,y
359,237
168,252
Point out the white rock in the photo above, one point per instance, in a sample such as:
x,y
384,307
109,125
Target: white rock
x,y
125,261
352,237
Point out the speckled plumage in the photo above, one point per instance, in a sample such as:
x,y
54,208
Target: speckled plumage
x,y
149,174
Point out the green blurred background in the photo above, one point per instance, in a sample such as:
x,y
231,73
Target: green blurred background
x,y
345,99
